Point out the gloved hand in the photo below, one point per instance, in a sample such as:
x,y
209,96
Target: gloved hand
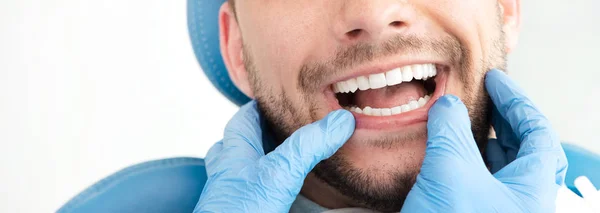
x,y
241,178
453,177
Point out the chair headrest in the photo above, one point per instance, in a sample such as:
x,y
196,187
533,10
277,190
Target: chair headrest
x,y
203,26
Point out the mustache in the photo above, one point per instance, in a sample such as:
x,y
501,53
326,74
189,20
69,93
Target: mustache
x,y
312,75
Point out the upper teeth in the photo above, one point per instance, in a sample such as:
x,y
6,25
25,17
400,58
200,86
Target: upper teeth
x,y
389,78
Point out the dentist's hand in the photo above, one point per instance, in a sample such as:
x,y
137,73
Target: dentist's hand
x,y
241,178
453,177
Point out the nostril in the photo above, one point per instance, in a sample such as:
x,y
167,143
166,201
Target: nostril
x,y
354,33
397,24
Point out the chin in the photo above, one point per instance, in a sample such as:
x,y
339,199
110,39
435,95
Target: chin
x,y
376,170
385,152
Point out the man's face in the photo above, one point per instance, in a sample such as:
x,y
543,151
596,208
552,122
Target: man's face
x,y
291,56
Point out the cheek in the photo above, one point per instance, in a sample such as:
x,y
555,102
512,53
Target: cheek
x,y
279,60
470,22
285,35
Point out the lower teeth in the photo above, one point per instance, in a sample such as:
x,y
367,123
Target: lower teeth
x,y
411,105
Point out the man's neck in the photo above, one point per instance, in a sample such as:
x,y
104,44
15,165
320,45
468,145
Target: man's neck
x,y
323,194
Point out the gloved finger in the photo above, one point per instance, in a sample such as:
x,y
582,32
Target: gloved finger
x,y
528,123
507,139
450,141
242,139
540,155
291,161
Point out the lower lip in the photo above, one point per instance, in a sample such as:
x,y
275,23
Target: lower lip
x,y
417,116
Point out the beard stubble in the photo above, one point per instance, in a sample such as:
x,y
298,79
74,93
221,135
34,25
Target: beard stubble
x,y
361,186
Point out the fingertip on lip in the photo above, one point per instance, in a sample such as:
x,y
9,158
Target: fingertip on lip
x,y
341,114
450,98
339,119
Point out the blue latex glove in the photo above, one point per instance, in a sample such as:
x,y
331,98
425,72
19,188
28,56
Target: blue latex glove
x,y
241,178
453,177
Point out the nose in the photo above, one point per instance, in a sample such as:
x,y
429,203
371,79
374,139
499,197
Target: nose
x,y
361,20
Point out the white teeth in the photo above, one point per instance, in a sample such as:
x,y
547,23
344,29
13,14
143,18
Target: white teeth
x,y
368,111
390,78
376,112
428,70
393,77
386,112
422,102
352,85
396,110
418,71
342,87
358,110
377,81
338,86
410,106
405,108
413,104
407,74
363,83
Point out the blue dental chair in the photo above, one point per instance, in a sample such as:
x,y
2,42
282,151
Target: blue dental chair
x,y
174,185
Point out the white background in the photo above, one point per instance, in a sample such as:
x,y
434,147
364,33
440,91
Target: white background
x,y
90,87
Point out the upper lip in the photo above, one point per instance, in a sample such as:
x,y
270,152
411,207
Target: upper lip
x,y
379,67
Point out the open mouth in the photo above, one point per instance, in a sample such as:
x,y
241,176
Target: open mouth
x,y
395,92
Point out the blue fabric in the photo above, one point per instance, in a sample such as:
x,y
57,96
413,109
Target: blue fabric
x,y
203,26
168,185
304,205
